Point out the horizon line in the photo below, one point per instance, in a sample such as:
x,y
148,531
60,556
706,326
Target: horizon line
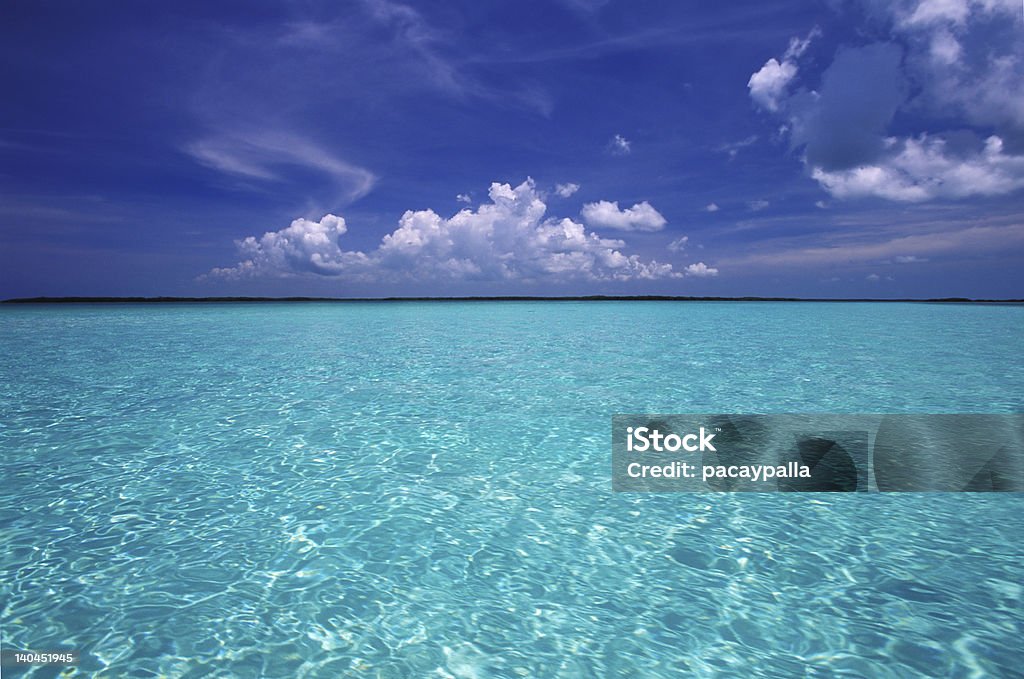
x,y
495,298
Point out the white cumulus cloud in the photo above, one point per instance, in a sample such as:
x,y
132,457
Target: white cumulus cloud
x,y
606,214
925,168
303,247
768,85
567,189
700,270
507,239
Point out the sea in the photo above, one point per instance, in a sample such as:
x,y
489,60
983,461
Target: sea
x,y
423,489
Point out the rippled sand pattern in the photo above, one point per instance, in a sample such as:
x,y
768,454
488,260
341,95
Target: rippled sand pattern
x,y
411,490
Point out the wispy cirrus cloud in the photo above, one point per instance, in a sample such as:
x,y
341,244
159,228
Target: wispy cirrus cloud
x,y
732,149
859,247
411,31
679,244
261,155
410,53
320,68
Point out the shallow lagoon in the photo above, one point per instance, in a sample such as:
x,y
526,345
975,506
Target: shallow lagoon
x,y
407,489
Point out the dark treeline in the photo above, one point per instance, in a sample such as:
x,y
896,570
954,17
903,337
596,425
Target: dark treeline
x,y
504,298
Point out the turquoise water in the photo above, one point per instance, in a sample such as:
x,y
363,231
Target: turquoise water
x,y
423,489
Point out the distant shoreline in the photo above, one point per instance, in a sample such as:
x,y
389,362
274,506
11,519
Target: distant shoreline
x,y
502,298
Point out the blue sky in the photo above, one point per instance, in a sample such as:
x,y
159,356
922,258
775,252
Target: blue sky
x,y
578,147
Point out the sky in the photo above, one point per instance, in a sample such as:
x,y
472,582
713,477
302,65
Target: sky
x,y
381,148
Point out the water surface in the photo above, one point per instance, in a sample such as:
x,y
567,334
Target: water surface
x,y
423,489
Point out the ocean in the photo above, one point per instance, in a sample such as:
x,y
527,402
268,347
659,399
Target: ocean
x,y
413,489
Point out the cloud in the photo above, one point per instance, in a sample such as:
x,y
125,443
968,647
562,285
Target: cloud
x,y
463,198
843,123
411,32
842,248
953,67
945,48
566,190
431,53
585,6
758,205
507,239
711,207
925,168
679,244
259,155
619,146
733,148
607,215
303,247
873,277
909,259
390,49
967,56
701,270
768,85
797,46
